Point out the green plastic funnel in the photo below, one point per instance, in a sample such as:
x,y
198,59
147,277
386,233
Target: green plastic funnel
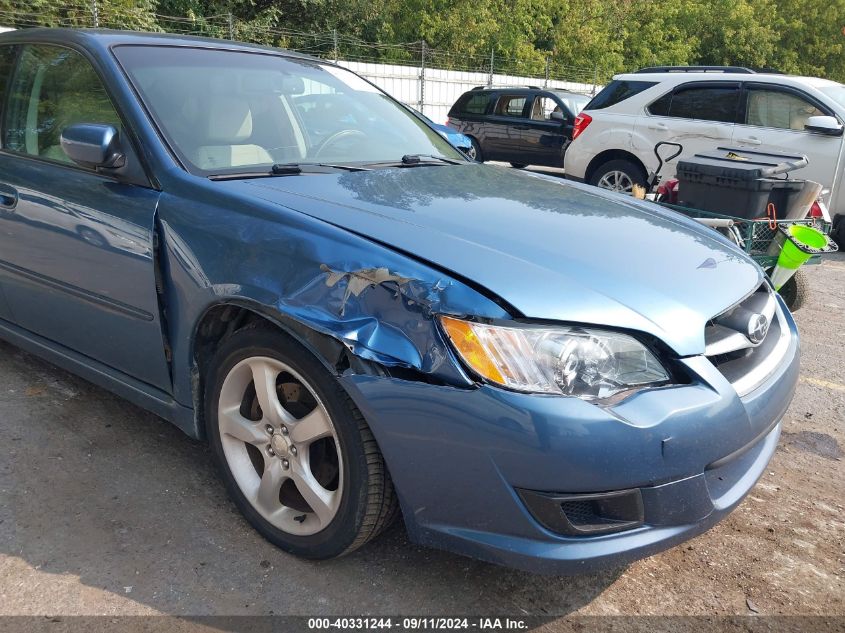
x,y
801,243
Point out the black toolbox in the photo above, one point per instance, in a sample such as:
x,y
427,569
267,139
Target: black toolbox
x,y
738,182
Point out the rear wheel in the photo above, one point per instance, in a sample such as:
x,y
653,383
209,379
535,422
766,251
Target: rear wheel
x,y
618,175
474,152
294,452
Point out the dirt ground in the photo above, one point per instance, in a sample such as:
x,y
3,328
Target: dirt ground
x,y
106,509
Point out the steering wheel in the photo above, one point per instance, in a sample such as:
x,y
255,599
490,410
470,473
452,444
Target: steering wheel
x,y
337,136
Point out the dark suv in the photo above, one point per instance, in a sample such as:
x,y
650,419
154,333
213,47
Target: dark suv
x,y
521,126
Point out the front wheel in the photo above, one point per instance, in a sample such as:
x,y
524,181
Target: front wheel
x,y
618,175
295,453
838,232
795,291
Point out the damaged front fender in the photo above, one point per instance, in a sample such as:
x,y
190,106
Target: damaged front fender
x,y
378,304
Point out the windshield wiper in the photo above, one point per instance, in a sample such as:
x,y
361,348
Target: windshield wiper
x,y
284,168
417,159
287,169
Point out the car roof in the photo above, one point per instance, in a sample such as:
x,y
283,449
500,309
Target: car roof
x,y
523,89
108,37
562,91
684,77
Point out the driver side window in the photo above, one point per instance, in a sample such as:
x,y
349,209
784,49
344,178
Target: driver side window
x,y
778,109
543,107
53,88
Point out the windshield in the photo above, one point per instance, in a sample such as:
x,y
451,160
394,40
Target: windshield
x,y
230,111
837,93
574,103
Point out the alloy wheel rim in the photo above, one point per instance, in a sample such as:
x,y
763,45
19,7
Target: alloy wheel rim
x,y
280,445
616,181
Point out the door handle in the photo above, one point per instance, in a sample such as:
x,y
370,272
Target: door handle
x,y
751,140
8,197
658,126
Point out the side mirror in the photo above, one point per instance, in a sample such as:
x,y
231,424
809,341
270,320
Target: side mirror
x,y
824,125
557,116
93,145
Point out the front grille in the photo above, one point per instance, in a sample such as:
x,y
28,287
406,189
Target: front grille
x,y
580,512
744,360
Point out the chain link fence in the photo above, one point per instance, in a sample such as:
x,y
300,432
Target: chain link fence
x,y
418,75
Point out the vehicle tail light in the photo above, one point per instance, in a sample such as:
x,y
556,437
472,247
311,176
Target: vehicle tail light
x,y
581,123
816,210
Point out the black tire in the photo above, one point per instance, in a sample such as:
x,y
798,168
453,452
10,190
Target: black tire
x,y
368,502
795,291
634,172
519,165
837,234
479,155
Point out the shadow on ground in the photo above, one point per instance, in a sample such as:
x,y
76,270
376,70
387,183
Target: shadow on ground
x,y
94,488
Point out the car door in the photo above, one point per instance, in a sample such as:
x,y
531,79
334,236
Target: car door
x,y
773,120
545,138
76,250
8,195
505,127
700,116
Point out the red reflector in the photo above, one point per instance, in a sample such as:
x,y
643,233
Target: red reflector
x,y
581,123
816,211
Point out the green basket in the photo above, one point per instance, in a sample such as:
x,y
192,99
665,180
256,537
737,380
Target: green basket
x,y
757,237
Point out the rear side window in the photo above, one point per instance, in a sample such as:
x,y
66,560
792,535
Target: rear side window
x,y
616,92
472,103
510,105
705,103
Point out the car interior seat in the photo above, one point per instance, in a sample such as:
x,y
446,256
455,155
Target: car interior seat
x,y
226,129
778,110
537,113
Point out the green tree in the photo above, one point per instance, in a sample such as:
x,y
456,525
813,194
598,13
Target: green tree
x,y
732,32
811,37
125,14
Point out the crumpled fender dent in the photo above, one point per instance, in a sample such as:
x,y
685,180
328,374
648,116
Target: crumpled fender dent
x,y
382,316
310,276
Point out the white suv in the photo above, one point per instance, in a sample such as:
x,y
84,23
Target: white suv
x,y
702,108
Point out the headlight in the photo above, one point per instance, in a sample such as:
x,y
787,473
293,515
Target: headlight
x,y
573,361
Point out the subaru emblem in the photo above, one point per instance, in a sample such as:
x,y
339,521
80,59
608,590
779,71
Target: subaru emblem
x,y
758,327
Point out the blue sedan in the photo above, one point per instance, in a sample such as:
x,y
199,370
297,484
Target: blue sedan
x,y
277,257
461,141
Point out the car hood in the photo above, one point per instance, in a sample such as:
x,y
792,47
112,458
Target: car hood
x,y
553,250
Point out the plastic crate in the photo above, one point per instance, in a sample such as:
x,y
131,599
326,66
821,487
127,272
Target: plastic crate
x,y
736,183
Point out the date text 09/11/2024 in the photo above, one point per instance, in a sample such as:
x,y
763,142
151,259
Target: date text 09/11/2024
x,y
417,623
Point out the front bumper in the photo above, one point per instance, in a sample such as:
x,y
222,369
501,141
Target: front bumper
x,y
457,458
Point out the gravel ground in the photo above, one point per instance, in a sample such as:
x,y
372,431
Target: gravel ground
x,y
106,509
